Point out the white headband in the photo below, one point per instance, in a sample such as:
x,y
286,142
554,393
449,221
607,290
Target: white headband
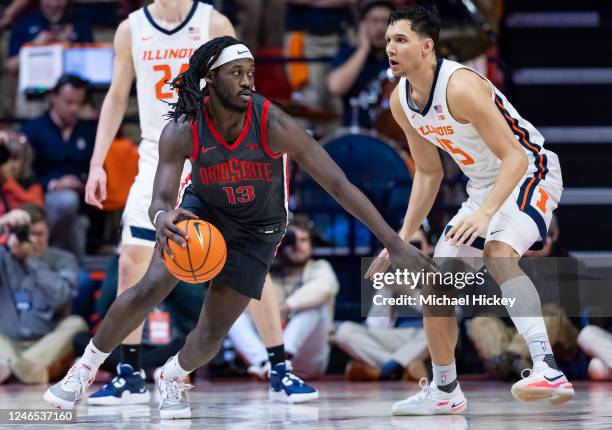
x,y
231,53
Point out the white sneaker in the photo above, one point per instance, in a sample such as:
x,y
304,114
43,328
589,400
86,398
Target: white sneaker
x,y
67,392
431,401
543,382
173,402
261,371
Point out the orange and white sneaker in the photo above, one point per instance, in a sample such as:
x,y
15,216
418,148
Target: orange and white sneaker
x,y
543,382
431,401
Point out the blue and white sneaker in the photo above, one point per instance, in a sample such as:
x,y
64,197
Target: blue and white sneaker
x,y
286,387
127,388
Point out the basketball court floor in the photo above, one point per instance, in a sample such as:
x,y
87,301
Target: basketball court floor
x,y
244,405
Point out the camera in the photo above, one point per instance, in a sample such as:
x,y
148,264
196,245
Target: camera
x,y
22,233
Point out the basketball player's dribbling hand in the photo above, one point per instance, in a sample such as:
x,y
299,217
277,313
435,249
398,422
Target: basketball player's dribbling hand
x,y
95,189
166,229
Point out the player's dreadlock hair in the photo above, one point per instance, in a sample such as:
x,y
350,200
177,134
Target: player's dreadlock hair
x,y
190,96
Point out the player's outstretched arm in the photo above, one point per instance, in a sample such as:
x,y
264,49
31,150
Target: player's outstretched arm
x,y
428,174
113,108
175,145
287,135
470,100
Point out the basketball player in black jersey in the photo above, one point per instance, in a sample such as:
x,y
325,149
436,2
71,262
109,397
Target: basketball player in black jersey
x,y
236,140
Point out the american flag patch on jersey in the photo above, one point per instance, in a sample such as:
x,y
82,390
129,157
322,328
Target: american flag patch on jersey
x,y
194,33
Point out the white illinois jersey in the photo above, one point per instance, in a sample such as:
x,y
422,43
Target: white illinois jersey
x,y
534,197
159,55
461,140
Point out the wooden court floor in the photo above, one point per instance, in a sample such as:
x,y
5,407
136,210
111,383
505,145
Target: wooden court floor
x,y
243,405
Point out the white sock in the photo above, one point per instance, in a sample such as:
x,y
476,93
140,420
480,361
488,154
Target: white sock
x,y
444,375
172,369
527,317
93,358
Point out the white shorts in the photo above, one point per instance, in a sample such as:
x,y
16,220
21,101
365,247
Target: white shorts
x,y
522,220
136,226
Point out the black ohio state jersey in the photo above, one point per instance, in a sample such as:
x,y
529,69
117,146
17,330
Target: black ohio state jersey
x,y
242,180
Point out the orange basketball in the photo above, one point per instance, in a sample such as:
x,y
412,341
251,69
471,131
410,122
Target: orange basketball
x,y
203,257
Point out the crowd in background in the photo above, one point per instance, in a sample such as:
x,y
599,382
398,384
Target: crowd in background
x,y
51,302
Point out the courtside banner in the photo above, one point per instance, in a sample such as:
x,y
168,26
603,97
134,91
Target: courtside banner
x,y
564,286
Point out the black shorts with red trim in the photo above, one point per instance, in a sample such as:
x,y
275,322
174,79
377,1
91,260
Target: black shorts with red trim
x,y
248,257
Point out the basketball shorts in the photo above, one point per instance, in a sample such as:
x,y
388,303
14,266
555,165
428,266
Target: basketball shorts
x,y
521,222
136,226
248,258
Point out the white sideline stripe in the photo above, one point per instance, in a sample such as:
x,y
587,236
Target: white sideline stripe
x,y
597,134
599,259
586,19
556,76
586,196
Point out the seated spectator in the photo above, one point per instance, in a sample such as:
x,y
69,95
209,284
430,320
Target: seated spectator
x,y
356,71
315,30
9,215
386,348
504,351
596,342
18,184
52,23
38,285
257,19
306,289
62,145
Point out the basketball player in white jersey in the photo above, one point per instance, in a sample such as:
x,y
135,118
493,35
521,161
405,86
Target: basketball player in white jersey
x,y
514,186
153,46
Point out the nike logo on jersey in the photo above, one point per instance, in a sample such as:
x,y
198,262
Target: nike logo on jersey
x,y
553,379
205,150
494,232
242,52
252,146
145,38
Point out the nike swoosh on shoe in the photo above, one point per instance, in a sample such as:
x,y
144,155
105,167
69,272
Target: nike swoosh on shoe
x,y
553,379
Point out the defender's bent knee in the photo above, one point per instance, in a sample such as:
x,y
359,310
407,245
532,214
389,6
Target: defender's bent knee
x,y
501,260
